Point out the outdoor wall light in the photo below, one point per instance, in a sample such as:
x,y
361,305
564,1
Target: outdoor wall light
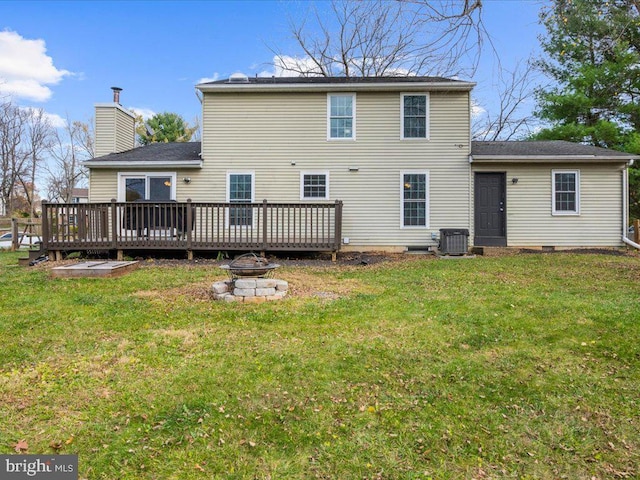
x,y
514,180
186,179
353,169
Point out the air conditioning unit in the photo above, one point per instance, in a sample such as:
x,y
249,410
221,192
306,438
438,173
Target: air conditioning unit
x,y
454,241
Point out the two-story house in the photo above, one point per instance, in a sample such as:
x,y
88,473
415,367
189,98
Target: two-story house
x,y
396,152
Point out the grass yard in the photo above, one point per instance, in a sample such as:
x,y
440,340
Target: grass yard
x,y
520,367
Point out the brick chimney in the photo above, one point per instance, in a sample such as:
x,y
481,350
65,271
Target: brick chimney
x,y
115,128
116,94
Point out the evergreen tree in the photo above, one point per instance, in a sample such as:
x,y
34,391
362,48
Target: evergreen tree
x,y
164,127
593,49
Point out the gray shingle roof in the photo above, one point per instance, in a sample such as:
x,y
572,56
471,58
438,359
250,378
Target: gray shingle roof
x,y
176,153
238,83
341,80
546,148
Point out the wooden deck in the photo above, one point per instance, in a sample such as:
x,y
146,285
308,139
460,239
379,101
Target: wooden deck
x,y
192,226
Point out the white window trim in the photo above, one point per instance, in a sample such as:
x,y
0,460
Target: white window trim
x,y
555,212
353,116
427,207
253,195
122,176
427,119
313,172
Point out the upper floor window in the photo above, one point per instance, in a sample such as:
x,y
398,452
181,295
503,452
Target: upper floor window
x,y
341,116
415,116
566,192
314,185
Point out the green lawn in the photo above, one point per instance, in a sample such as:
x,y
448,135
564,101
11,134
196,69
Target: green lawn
x,y
507,367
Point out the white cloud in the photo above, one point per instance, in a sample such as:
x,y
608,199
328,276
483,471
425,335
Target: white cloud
x,y
215,77
287,66
55,120
145,113
476,109
25,68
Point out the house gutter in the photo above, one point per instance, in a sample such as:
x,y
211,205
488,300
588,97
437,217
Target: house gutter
x,y
625,208
547,158
142,164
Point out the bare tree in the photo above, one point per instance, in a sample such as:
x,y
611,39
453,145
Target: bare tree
x,y
382,38
513,120
13,155
39,138
69,148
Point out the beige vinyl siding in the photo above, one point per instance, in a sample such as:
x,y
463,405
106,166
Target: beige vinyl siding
x,y
103,183
265,133
529,206
125,132
115,130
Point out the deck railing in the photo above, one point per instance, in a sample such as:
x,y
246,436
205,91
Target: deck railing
x,y
192,226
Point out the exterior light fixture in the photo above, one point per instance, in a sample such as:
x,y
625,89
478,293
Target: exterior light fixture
x,y
514,180
186,179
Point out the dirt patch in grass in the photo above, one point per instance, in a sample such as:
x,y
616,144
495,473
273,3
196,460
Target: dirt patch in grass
x,y
307,284
197,292
302,284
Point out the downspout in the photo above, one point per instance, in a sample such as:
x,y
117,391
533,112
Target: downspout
x,y
625,208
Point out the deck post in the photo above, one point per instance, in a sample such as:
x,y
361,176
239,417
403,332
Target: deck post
x,y
188,229
45,225
338,220
636,230
114,224
264,224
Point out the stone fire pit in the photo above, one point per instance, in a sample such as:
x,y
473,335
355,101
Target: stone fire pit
x,y
250,265
248,282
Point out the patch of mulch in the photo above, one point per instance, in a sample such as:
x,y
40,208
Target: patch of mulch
x,y
288,260
615,252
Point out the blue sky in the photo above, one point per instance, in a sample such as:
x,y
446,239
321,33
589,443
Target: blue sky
x,y
65,56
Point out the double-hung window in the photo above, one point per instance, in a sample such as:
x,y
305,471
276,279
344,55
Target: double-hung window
x,y
158,187
415,116
240,190
314,185
341,116
415,199
566,192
